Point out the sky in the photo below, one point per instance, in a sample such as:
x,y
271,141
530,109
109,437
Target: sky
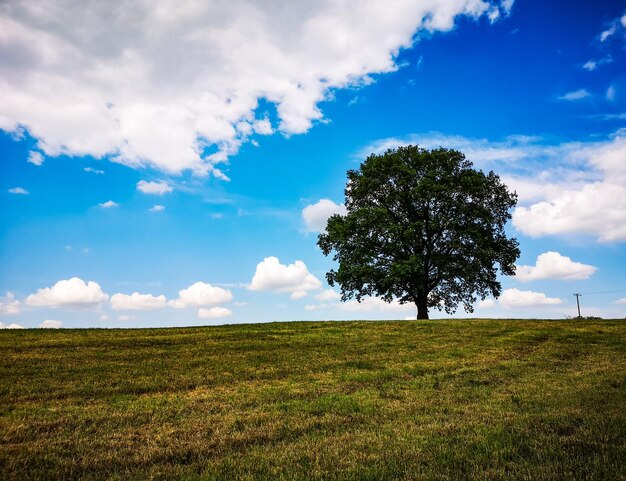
x,y
171,162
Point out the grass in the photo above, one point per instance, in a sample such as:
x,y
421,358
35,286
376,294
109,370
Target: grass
x,y
433,400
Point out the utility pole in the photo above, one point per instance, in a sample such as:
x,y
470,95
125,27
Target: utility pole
x,y
578,304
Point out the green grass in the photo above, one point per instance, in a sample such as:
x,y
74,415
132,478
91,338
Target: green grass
x,y
433,400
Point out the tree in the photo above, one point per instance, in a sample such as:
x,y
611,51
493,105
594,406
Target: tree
x,y
422,226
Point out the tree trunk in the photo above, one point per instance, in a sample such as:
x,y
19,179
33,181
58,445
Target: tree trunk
x,y
422,307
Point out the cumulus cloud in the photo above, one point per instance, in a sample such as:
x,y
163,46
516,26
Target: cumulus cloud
x,y
316,215
50,324
271,275
94,171
515,298
552,265
367,304
375,304
72,292
137,302
598,209
201,294
157,208
328,295
177,85
9,305
35,158
486,304
108,204
157,188
621,301
214,312
18,190
13,325
575,95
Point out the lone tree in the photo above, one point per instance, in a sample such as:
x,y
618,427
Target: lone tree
x,y
421,226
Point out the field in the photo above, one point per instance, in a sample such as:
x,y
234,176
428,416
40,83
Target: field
x,y
432,400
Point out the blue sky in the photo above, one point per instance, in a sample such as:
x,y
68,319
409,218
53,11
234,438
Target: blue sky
x,y
189,151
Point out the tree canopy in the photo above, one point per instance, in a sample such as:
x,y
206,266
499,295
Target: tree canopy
x,y
422,226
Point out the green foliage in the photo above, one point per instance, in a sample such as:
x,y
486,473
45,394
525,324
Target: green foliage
x,y
422,226
339,401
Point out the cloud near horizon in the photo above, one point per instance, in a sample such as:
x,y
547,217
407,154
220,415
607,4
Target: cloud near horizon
x,y
72,292
182,85
137,302
271,275
552,265
201,294
516,298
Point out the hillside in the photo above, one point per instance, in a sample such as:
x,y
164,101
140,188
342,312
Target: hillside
x,y
436,400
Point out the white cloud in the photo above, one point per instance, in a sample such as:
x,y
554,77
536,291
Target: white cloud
x,y
328,295
13,325
201,294
590,65
623,20
315,307
214,312
18,190
35,157
298,295
316,215
125,318
486,304
137,302
514,298
375,304
552,265
271,275
104,317
157,188
367,304
621,301
156,83
50,324
607,33
9,305
598,209
108,204
157,208
94,171
576,95
610,93
72,292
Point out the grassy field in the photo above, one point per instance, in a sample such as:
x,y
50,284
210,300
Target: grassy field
x,y
433,400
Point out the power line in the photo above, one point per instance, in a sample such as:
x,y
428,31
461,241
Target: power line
x,y
603,292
